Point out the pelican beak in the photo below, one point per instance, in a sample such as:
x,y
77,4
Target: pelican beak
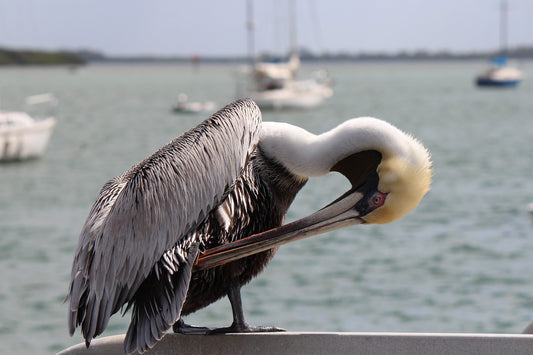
x,y
346,211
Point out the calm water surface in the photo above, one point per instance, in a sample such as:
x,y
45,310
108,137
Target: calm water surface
x,y
461,262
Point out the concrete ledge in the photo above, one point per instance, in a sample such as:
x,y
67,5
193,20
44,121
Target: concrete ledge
x,y
323,343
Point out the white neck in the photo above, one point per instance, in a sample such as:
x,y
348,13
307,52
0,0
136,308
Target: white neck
x,y
307,155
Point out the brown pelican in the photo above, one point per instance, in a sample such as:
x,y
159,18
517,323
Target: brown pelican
x,y
227,179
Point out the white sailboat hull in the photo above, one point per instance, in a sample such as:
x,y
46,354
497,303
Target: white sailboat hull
x,y
24,141
500,76
294,94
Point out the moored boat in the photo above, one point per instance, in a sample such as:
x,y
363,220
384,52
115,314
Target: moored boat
x,y
22,136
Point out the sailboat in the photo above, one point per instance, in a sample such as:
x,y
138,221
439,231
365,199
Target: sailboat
x,y
500,74
275,85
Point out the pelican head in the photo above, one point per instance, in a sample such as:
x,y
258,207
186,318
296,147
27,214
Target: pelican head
x,y
402,165
374,155
389,170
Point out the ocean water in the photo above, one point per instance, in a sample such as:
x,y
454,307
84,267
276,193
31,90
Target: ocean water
x,y
460,262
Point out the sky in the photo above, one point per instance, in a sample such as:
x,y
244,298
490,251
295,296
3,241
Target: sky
x,y
218,28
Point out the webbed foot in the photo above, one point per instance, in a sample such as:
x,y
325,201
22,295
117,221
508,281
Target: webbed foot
x,y
245,328
181,327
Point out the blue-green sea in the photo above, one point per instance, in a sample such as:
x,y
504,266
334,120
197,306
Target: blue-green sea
x,y
460,262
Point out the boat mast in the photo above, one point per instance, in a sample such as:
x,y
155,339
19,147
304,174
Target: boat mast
x,y
503,27
293,34
250,27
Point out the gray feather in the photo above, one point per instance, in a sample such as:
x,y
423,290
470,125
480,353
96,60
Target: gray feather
x,y
159,305
147,210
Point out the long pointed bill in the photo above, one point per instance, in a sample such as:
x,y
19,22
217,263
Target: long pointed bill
x,y
337,215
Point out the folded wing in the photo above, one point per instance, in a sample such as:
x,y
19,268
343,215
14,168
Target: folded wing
x,y
148,210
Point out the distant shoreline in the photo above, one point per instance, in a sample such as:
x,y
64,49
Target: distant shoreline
x,y
12,57
38,57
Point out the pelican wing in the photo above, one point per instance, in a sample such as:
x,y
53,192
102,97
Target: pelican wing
x,y
141,214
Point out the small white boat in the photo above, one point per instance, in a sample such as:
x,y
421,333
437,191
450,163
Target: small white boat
x,y
184,106
23,137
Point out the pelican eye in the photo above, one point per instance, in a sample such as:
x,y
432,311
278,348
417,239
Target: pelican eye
x,y
377,199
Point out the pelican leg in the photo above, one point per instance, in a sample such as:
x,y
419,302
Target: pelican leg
x,y
181,327
239,325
